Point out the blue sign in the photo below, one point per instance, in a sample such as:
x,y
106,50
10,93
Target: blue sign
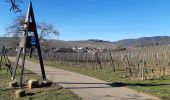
x,y
33,41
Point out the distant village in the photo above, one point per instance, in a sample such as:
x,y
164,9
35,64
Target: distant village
x,y
82,49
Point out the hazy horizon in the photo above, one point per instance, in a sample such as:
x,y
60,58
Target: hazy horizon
x,y
105,40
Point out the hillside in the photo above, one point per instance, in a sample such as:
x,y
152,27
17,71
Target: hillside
x,y
95,43
8,41
145,41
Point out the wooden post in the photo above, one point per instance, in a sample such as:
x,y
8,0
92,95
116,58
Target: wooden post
x,y
112,61
98,60
128,62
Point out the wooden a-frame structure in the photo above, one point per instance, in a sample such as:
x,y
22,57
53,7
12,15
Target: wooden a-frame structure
x,y
28,42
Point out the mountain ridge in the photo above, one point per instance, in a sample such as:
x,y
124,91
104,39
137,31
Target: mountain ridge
x,y
145,41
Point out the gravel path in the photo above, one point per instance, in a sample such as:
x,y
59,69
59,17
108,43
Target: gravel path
x,y
87,87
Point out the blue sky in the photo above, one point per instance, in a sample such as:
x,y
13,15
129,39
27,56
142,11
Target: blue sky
x,y
98,19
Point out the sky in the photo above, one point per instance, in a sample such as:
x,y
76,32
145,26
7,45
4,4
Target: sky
x,y
110,20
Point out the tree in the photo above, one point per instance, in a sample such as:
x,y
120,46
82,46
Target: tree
x,y
15,5
45,30
14,29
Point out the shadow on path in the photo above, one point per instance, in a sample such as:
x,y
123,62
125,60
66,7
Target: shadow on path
x,y
120,84
106,85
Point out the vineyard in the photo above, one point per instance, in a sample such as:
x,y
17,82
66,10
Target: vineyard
x,y
136,64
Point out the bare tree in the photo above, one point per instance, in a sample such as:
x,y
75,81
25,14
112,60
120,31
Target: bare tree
x,y
46,30
14,29
15,5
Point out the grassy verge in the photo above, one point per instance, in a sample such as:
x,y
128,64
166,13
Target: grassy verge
x,y
158,87
53,92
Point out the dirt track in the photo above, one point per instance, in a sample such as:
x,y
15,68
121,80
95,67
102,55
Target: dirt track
x,y
87,87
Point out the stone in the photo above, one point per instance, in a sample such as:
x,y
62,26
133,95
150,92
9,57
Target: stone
x,y
13,84
20,93
33,83
46,83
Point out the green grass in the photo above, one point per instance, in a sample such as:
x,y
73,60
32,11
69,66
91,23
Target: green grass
x,y
157,87
53,94
46,93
